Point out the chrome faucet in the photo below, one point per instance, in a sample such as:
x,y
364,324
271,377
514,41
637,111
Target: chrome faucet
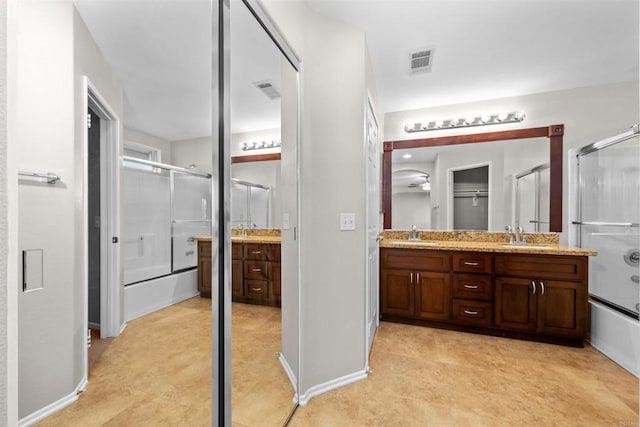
x,y
243,232
520,239
509,230
414,233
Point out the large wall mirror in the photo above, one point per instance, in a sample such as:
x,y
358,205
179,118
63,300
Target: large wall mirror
x,y
482,181
264,146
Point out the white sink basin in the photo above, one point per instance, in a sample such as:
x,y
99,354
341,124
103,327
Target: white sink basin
x,y
527,247
414,243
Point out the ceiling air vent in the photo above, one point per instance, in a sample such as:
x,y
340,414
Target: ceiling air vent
x,y
421,61
267,87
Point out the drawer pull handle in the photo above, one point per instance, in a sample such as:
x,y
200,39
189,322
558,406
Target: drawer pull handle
x,y
471,312
256,289
256,252
534,286
472,264
469,286
256,270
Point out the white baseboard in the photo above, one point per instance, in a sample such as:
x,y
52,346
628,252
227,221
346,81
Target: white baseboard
x,y
146,297
290,373
43,413
330,385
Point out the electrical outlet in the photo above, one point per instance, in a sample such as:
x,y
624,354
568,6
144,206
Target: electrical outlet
x,y
347,221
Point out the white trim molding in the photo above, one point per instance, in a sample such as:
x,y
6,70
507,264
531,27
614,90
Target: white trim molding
x,y
319,389
43,413
290,374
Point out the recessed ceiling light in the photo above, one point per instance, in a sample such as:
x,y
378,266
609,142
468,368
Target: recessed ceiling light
x,y
406,156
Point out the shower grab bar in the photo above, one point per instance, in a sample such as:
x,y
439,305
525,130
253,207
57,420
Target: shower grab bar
x,y
50,177
165,166
610,224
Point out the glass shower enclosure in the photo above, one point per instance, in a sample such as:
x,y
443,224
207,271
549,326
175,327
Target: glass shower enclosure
x,y
165,209
609,217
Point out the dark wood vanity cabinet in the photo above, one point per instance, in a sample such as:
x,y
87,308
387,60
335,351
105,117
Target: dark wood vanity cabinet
x,y
260,281
415,284
537,297
255,272
542,294
204,268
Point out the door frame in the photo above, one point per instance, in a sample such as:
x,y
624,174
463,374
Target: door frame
x,y
450,172
110,261
367,296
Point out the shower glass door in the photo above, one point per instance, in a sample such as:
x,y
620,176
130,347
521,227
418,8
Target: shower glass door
x,y
610,213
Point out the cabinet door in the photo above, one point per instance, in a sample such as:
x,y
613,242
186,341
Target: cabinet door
x,y
204,275
561,308
433,295
396,293
275,282
515,304
236,278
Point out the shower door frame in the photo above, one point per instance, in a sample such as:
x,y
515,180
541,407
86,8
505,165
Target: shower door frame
x,y
591,148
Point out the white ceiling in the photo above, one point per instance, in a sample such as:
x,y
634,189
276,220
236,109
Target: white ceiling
x,y
484,49
161,52
487,49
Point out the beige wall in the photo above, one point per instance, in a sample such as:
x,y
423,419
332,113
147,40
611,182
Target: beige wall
x,y
334,90
50,36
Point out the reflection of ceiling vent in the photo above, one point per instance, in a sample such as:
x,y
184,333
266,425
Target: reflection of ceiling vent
x,y
421,60
267,87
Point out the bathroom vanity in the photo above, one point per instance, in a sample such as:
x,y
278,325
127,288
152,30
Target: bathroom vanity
x,y
455,280
255,267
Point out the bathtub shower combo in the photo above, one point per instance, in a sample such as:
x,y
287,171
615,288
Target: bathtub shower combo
x,y
165,208
608,222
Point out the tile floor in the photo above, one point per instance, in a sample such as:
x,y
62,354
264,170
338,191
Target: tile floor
x,y
158,373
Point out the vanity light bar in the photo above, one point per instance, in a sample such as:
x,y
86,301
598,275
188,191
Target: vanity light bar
x,y
259,145
492,119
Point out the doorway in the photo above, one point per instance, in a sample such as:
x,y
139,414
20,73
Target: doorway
x,y
102,220
469,198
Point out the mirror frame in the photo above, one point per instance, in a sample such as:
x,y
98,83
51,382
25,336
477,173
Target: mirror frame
x,y
555,134
255,158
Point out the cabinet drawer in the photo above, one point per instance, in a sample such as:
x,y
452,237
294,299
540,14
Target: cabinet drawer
x,y
255,289
541,267
255,251
473,312
416,259
204,248
236,251
273,252
256,270
473,286
471,262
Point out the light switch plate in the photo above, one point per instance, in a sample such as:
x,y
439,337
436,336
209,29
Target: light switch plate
x,y
347,221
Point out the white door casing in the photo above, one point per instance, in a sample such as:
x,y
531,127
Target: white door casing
x,y
373,155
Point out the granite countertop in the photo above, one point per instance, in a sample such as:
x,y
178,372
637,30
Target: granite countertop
x,y
253,235
538,243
